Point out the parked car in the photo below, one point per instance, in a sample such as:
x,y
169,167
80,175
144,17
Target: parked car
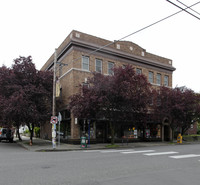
x,y
6,134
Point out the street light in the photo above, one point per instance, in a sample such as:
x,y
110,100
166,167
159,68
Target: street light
x,y
54,101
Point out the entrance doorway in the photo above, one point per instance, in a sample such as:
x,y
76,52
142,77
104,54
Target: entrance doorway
x,y
166,133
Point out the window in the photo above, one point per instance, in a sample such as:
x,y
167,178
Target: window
x,y
98,66
138,71
150,77
158,79
118,46
166,80
85,85
85,63
142,53
110,68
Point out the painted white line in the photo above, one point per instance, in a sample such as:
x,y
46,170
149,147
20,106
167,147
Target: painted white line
x,y
92,151
137,152
184,156
112,151
161,153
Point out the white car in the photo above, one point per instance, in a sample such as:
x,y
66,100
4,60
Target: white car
x,y
7,134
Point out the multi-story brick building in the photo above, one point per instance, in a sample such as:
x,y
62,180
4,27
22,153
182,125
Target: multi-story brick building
x,y
85,54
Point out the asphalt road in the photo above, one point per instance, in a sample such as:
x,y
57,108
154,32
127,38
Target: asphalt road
x,y
163,165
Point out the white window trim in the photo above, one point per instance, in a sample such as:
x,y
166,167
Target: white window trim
x,y
152,77
112,67
137,71
166,85
158,74
96,65
88,63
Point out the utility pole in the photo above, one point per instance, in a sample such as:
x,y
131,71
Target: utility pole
x,y
54,84
54,118
54,103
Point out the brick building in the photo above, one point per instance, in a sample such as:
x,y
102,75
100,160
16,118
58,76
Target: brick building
x,y
85,54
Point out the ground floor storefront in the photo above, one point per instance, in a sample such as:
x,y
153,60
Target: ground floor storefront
x,y
98,131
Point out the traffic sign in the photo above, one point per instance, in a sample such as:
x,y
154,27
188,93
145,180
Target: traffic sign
x,y
54,119
59,117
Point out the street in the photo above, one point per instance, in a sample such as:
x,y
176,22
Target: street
x,y
160,165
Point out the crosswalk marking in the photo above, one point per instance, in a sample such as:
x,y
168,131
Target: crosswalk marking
x,y
91,150
184,156
113,151
161,153
144,152
136,152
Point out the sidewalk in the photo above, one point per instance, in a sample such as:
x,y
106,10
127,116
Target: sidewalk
x,y
40,145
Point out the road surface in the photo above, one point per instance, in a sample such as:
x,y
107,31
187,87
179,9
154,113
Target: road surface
x,y
163,165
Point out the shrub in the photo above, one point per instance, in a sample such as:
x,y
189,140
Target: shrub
x,y
37,131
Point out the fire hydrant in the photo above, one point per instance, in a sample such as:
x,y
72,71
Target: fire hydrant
x,y
179,138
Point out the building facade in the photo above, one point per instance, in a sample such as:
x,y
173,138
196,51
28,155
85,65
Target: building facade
x,y
83,54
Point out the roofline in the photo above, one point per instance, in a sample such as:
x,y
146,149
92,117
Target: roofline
x,y
110,51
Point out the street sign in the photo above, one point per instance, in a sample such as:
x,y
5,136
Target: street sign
x,y
54,119
59,117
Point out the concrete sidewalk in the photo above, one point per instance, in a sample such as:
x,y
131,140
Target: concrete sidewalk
x,y
40,145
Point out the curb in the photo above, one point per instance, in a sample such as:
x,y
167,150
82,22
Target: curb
x,y
35,149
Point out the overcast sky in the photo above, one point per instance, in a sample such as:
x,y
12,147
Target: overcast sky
x,y
37,27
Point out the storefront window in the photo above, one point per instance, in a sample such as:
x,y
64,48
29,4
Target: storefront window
x,y
131,132
153,132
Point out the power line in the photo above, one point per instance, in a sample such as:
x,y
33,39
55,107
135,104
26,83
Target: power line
x,y
150,25
183,9
189,8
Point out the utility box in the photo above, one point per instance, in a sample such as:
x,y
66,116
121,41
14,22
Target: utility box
x,y
84,142
179,138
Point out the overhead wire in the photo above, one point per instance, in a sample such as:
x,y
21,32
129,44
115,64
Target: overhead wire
x,y
183,9
187,6
150,25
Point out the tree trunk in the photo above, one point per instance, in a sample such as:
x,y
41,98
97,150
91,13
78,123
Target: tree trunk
x,y
18,134
112,133
31,133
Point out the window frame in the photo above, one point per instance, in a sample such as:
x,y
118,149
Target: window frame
x,y
84,63
158,79
96,69
110,70
150,72
138,71
166,84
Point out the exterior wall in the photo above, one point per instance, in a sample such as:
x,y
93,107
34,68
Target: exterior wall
x,y
46,130
193,129
121,53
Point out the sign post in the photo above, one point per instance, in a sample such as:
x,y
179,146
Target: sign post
x,y
54,120
59,120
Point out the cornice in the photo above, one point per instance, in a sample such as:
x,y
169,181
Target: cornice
x,y
94,48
